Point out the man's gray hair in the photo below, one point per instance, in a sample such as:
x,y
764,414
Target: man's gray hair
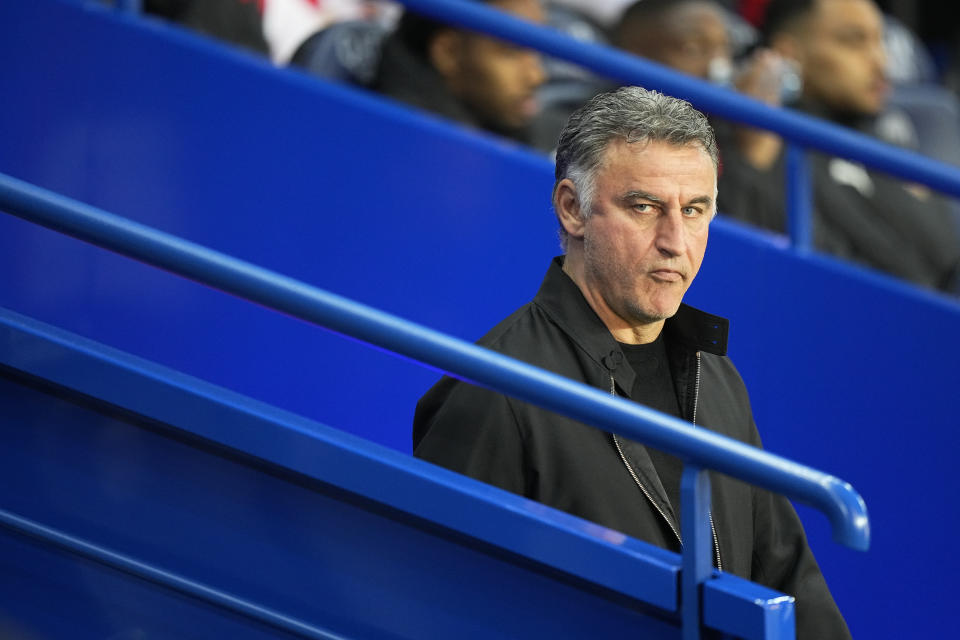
x,y
632,114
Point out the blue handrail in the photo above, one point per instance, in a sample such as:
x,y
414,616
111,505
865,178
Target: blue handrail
x,y
804,130
837,499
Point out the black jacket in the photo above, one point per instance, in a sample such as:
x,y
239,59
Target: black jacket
x,y
586,472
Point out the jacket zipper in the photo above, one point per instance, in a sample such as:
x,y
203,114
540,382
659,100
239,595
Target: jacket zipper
x,y
616,442
696,398
643,489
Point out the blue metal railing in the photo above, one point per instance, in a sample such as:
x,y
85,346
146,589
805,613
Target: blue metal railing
x,y
699,448
801,130
173,581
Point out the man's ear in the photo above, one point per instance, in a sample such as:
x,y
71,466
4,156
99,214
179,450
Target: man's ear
x,y
444,52
566,202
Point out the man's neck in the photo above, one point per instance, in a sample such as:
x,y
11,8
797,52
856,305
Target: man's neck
x,y
621,329
643,334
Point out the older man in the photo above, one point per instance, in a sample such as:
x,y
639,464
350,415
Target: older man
x,y
636,187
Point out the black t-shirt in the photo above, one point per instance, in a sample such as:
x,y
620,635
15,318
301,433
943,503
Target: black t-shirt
x,y
654,388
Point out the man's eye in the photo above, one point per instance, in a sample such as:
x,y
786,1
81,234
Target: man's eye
x,y
851,38
641,207
691,212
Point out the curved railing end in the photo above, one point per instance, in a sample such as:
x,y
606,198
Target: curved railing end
x,y
849,520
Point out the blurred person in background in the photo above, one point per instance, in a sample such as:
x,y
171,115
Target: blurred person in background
x,y
468,77
235,21
288,23
697,37
861,215
701,38
275,28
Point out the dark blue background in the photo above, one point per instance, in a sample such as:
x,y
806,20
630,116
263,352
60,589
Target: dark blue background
x,y
849,372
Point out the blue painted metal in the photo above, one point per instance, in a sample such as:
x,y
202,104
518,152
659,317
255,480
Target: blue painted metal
x,y
837,499
774,614
130,6
697,546
398,481
230,138
799,198
802,129
181,483
163,578
108,110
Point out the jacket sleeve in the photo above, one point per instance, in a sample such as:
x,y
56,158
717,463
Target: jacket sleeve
x,y
473,431
782,559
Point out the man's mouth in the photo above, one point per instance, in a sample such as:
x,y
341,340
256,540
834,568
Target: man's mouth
x,y
666,275
529,107
880,88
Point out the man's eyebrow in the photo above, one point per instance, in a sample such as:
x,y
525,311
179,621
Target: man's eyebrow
x,y
641,195
707,200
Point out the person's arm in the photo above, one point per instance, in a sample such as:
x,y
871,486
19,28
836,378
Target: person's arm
x,y
760,77
472,431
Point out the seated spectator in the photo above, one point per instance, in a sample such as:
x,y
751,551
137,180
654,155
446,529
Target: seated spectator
x,y
687,35
235,21
287,24
465,76
695,37
859,214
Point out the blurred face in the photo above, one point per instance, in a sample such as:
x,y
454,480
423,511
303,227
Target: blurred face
x,y
842,56
496,80
687,38
645,237
699,36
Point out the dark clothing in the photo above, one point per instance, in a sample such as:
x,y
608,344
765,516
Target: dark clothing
x,y
653,387
406,76
859,214
594,475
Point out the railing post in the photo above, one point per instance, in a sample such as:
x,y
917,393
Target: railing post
x,y
799,198
697,546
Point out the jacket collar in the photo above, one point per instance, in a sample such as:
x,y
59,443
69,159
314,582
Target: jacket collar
x,y
560,297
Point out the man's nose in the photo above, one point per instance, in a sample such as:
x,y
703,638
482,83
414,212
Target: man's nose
x,y
670,239
533,70
878,55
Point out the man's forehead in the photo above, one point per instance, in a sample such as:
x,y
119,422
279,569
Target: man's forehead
x,y
637,145
828,12
530,10
683,13
627,170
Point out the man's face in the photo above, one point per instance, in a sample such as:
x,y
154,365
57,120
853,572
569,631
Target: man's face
x,y
495,79
842,56
687,37
695,35
644,240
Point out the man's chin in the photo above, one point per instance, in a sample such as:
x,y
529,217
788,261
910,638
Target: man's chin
x,y
657,313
